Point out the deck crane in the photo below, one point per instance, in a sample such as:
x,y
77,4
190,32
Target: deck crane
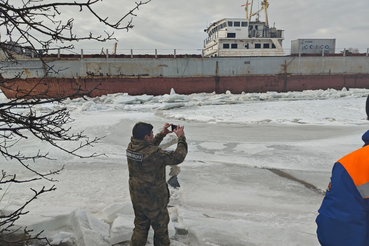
x,y
246,8
264,6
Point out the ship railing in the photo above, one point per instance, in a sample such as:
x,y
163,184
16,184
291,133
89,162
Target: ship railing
x,y
124,53
180,53
335,52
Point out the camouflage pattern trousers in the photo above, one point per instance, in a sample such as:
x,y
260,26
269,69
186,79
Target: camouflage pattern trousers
x,y
158,219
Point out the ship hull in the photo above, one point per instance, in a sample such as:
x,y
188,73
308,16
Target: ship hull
x,y
185,75
159,86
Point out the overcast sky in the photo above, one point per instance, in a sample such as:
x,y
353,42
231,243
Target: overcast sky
x,y
173,24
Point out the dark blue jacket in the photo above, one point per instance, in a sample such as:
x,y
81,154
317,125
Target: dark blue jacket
x,y
343,218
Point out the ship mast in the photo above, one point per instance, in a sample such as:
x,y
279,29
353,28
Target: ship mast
x,y
265,6
246,8
252,3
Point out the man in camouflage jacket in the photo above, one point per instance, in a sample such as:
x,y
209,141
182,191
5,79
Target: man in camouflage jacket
x,y
147,181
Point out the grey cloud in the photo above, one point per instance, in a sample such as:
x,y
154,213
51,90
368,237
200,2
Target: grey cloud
x,y
174,24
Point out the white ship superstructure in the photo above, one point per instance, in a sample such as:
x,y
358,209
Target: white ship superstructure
x,y
244,37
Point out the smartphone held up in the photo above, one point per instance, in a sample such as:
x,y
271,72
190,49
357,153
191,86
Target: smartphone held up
x,y
174,127
177,129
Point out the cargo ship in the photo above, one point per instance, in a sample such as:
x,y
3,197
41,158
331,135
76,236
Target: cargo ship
x,y
239,55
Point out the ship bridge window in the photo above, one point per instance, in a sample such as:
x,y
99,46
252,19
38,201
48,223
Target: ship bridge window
x,y
231,35
266,46
273,46
225,46
230,23
257,46
237,23
244,23
234,46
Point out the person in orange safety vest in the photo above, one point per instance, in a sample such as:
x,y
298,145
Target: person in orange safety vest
x,y
343,218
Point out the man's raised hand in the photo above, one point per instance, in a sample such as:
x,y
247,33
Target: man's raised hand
x,y
179,131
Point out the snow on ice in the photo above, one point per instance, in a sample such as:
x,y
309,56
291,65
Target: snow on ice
x,y
235,182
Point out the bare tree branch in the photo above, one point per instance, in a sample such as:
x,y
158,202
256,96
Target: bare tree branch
x,y
32,27
32,17
7,223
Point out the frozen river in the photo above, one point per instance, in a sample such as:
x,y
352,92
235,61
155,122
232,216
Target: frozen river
x,y
241,184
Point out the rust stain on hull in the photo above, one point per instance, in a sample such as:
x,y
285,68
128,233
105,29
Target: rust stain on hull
x,y
56,87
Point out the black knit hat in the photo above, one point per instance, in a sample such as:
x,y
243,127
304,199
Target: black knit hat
x,y
367,107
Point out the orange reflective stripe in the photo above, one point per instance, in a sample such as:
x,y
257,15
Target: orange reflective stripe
x,y
357,165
